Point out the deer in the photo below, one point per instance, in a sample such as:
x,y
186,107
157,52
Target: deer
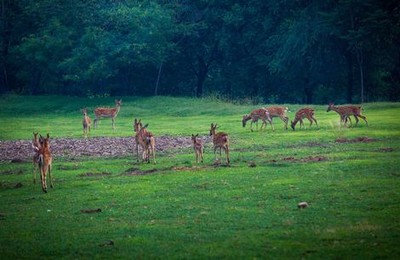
x,y
279,111
45,163
36,145
221,141
255,115
104,112
301,114
346,111
86,122
146,140
198,147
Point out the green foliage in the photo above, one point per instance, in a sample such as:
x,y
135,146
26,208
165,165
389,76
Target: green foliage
x,y
180,209
239,49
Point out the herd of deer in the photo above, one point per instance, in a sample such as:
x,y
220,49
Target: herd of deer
x,y
42,158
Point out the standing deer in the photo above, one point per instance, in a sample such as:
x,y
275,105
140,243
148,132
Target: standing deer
x,y
301,114
36,145
86,122
146,140
255,115
221,141
198,147
279,111
346,111
104,112
45,162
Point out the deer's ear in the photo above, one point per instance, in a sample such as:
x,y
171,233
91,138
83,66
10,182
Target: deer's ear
x,y
146,126
48,136
197,135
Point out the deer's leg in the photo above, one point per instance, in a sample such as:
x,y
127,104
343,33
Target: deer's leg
x,y
285,120
201,154
315,120
272,125
154,154
35,167
113,122
226,148
50,176
43,179
364,118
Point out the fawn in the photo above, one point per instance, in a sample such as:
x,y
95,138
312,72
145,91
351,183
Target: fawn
x,y
301,114
221,141
104,112
198,147
279,111
146,140
255,115
346,111
86,122
45,163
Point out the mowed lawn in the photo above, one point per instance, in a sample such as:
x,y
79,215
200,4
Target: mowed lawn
x,y
114,207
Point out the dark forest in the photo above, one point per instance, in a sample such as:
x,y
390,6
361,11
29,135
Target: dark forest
x,y
276,51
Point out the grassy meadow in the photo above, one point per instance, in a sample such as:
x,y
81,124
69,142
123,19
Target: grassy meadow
x,y
349,176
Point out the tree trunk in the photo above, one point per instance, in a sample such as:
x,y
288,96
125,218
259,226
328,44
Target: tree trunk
x,y
158,79
201,75
350,78
360,60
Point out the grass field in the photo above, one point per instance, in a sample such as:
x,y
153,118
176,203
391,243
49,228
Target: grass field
x,y
179,209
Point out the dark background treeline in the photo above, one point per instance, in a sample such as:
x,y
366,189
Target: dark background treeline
x,y
295,51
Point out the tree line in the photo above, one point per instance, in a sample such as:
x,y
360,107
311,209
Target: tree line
x,y
297,51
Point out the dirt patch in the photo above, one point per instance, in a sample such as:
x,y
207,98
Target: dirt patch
x,y
362,139
7,185
302,160
386,149
92,174
136,171
11,172
21,151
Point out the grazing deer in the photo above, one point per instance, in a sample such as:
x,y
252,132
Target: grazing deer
x,y
198,147
104,112
45,162
255,115
301,114
221,141
86,122
346,111
36,145
279,111
146,140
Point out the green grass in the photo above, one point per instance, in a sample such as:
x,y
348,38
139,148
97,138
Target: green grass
x,y
184,210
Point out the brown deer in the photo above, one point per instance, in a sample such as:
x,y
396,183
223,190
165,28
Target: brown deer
x,y
255,115
221,141
86,122
36,145
346,111
279,111
104,112
146,140
198,147
301,114
45,162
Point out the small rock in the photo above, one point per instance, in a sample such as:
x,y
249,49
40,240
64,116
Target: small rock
x,y
302,205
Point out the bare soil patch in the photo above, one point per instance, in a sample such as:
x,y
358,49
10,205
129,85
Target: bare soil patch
x,y
93,174
21,150
362,139
302,160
